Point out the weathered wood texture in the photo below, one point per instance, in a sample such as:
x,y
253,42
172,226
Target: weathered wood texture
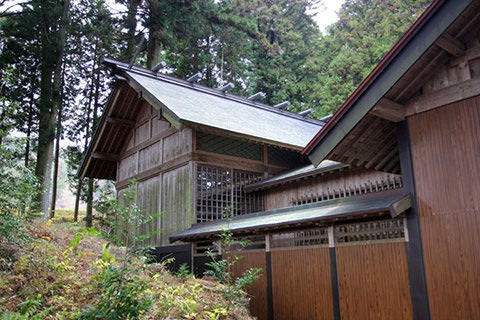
x,y
258,290
445,153
177,208
373,282
452,81
159,157
302,287
148,199
335,184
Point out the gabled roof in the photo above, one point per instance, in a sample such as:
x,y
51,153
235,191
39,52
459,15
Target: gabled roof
x,y
193,104
186,104
397,69
392,203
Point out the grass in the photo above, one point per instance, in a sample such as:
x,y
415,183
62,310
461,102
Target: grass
x,y
52,276
66,215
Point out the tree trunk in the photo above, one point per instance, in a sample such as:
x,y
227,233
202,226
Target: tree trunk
x,y
77,199
45,136
55,169
50,100
89,213
154,44
131,26
29,126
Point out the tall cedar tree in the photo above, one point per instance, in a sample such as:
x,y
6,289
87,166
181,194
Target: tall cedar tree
x,y
94,33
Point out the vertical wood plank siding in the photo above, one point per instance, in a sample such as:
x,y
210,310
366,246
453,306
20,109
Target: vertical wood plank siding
x,y
258,290
177,210
301,283
373,282
446,157
152,144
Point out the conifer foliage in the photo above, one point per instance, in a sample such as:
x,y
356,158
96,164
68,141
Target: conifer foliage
x,y
53,49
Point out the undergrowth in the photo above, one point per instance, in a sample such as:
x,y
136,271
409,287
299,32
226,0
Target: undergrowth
x,y
64,271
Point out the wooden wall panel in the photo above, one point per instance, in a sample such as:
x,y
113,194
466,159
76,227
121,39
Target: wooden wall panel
x,y
373,282
127,167
302,285
176,202
177,144
142,133
280,197
159,126
150,157
148,199
446,159
258,290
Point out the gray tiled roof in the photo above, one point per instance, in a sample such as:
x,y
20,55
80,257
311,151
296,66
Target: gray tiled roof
x,y
196,104
394,202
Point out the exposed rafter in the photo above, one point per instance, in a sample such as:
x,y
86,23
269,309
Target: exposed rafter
x,y
105,156
451,45
119,121
389,110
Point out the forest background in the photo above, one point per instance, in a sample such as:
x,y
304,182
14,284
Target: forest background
x,y
54,88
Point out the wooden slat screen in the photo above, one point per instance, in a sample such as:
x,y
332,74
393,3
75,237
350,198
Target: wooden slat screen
x,y
370,231
313,237
220,193
367,187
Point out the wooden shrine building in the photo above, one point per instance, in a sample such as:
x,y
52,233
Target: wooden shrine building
x,y
371,215
411,252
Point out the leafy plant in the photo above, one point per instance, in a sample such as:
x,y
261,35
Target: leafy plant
x,y
221,267
124,295
128,217
18,184
184,272
29,310
12,229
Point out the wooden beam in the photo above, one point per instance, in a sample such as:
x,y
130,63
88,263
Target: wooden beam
x,y
470,54
122,122
425,72
451,45
443,97
389,110
105,156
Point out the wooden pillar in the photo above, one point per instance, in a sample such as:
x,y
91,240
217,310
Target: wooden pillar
x,y
416,265
334,273
268,259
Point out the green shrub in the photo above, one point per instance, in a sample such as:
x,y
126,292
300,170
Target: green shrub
x,y
12,229
29,310
221,269
123,295
184,272
18,184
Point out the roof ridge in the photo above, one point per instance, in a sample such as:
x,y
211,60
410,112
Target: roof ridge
x,y
204,89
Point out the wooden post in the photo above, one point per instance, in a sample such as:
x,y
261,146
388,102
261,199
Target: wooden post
x,y
331,238
416,264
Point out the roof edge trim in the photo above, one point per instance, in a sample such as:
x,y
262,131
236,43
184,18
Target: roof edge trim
x,y
408,48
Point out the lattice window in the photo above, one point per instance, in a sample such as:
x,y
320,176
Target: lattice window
x,y
249,243
364,188
371,231
220,193
313,237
